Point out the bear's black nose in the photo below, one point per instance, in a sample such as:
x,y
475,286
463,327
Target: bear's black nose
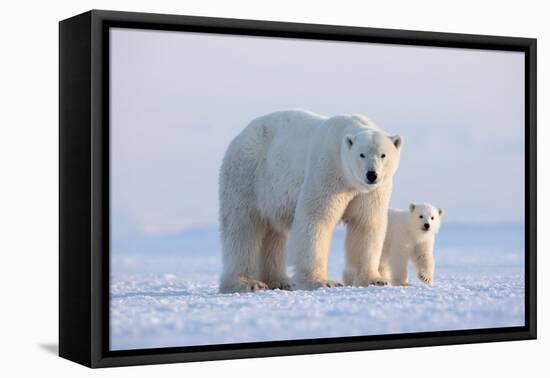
x,y
371,176
426,226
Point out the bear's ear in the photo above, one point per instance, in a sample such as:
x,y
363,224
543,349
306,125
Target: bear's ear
x,y
440,211
397,141
412,206
348,140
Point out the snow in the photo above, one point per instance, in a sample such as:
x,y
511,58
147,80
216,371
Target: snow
x,y
164,293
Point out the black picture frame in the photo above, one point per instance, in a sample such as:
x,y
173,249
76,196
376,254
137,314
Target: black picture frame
x,y
84,187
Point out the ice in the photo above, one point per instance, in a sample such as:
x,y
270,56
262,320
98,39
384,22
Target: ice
x,y
164,293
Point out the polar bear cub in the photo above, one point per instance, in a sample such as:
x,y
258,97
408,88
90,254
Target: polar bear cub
x,y
410,235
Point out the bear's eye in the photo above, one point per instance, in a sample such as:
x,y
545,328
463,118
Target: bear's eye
x,y
422,216
383,156
432,218
362,156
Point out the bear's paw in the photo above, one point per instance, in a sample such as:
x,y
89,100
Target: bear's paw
x,y
427,279
282,284
317,284
243,285
371,280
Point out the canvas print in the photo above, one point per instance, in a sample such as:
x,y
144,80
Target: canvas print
x,y
268,189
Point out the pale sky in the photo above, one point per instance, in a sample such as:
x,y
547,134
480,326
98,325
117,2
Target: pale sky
x,y
178,98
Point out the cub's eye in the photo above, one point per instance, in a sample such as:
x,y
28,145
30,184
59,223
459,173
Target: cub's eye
x,y
422,216
432,218
362,156
383,156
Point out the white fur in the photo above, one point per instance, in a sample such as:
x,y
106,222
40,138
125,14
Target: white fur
x,y
407,239
286,180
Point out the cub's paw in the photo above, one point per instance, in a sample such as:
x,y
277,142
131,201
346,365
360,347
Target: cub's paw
x,y
427,279
282,284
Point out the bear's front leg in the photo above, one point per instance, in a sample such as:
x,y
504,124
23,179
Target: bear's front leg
x,y
366,219
367,246
310,236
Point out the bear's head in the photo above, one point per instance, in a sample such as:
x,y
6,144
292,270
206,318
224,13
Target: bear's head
x,y
425,219
370,158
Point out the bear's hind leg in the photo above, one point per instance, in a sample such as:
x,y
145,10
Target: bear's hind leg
x,y
241,241
273,260
348,277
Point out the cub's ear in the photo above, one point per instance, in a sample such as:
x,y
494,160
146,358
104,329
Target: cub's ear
x,y
412,206
397,141
440,211
349,140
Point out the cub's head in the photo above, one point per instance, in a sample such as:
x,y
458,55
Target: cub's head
x,y
425,218
370,157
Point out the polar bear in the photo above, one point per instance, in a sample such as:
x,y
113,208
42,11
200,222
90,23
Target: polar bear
x,y
285,182
410,236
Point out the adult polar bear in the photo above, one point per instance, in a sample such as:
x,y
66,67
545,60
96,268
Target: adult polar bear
x,y
285,182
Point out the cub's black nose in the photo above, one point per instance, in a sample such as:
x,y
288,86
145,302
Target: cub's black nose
x,y
372,176
426,226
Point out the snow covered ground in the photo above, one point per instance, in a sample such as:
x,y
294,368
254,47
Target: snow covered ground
x,y
164,293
